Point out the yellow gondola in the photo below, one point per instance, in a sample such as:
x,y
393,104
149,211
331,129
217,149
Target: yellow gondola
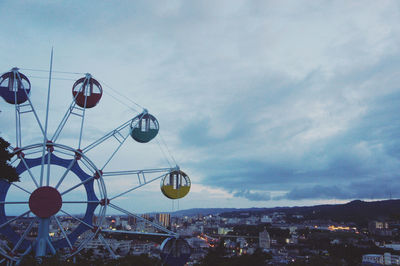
x,y
175,185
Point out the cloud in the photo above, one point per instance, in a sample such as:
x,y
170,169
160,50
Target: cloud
x,y
347,138
318,192
253,98
253,196
366,189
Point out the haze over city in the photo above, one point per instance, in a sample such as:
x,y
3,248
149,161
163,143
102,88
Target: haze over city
x,y
261,103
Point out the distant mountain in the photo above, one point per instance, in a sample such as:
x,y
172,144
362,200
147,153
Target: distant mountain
x,y
208,211
203,211
357,211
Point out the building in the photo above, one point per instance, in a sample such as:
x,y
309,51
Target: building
x,y
266,219
146,216
131,220
264,240
394,246
224,230
377,259
164,219
379,228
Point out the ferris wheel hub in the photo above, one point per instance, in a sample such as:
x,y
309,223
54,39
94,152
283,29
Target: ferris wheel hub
x,y
44,202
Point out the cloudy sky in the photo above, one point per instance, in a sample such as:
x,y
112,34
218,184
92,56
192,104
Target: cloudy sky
x,y
261,103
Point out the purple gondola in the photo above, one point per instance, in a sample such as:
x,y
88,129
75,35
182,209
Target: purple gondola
x,y
15,87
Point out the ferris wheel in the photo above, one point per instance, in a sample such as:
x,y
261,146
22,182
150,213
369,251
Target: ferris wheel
x,y
50,172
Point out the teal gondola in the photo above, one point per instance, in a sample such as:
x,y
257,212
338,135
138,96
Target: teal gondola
x,y
144,127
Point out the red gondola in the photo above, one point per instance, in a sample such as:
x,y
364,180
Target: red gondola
x,y
87,92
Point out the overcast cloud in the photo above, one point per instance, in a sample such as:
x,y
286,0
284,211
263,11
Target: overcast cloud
x,y
261,102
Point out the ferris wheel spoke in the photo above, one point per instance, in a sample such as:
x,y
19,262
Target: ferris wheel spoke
x,y
142,171
30,105
20,188
141,174
107,246
3,250
101,189
45,139
134,188
28,229
48,169
121,142
6,247
63,231
14,219
115,151
14,202
63,121
77,219
17,119
14,160
29,171
82,122
28,108
77,185
90,201
74,110
65,173
141,218
42,165
114,133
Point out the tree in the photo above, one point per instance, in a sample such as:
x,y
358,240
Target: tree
x,y
7,172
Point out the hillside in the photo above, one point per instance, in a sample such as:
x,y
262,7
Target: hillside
x,y
357,211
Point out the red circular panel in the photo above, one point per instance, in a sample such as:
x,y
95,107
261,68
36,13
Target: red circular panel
x,y
45,202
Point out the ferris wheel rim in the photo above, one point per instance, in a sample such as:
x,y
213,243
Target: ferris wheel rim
x,y
19,152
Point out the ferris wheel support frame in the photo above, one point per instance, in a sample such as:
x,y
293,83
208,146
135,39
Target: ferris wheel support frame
x,y
79,111
113,133
19,111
